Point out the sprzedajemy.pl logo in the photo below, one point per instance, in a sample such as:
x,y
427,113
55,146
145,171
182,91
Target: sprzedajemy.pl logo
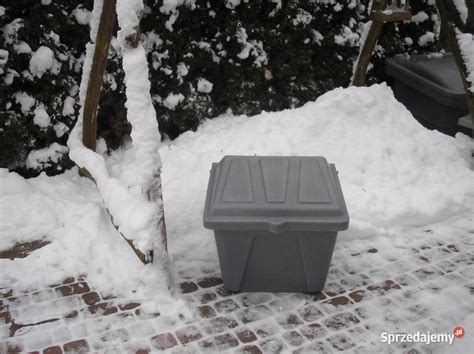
x,y
422,337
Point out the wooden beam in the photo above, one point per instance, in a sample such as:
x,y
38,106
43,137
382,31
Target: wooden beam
x,y
395,16
369,45
366,53
450,35
102,41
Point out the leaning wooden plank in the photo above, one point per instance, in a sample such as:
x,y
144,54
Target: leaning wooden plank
x,y
369,42
366,53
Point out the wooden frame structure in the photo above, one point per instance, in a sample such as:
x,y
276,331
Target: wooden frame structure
x,y
450,21
379,15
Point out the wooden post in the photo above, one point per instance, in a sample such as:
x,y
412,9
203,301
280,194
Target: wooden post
x,y
379,17
369,45
448,32
104,35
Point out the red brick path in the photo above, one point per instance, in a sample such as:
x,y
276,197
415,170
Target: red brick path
x,y
368,291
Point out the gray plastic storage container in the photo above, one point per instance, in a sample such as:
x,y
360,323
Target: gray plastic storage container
x,y
275,221
431,88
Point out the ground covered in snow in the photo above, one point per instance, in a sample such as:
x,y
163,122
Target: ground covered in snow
x,y
405,264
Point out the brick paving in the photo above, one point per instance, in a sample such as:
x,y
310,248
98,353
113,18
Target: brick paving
x,y
373,285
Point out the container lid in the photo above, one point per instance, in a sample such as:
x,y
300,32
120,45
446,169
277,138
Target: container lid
x,y
436,76
274,193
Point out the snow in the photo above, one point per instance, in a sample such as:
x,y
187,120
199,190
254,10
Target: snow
x,y
60,129
124,187
419,17
170,22
25,100
182,69
3,57
82,15
22,48
41,61
251,47
68,106
302,17
46,2
232,4
317,37
426,38
67,211
462,9
204,86
11,29
10,76
466,46
41,118
346,37
395,174
172,100
42,158
170,6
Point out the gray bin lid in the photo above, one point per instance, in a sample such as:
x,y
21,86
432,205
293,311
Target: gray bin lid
x,y
275,193
436,76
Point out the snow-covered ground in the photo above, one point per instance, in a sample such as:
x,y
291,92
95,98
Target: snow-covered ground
x,y
397,177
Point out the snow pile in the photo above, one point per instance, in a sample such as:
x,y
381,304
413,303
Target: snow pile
x,y
395,174
124,190
66,212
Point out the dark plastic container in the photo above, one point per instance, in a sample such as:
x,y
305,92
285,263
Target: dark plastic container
x,y
275,221
431,88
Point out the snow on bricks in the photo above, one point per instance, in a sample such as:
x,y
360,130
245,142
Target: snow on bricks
x,y
75,317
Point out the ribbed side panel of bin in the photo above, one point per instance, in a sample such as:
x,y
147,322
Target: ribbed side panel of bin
x,y
275,221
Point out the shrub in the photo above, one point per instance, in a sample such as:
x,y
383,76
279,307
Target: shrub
x,y
206,57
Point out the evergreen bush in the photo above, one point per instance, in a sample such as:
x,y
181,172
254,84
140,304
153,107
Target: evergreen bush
x,y
206,57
